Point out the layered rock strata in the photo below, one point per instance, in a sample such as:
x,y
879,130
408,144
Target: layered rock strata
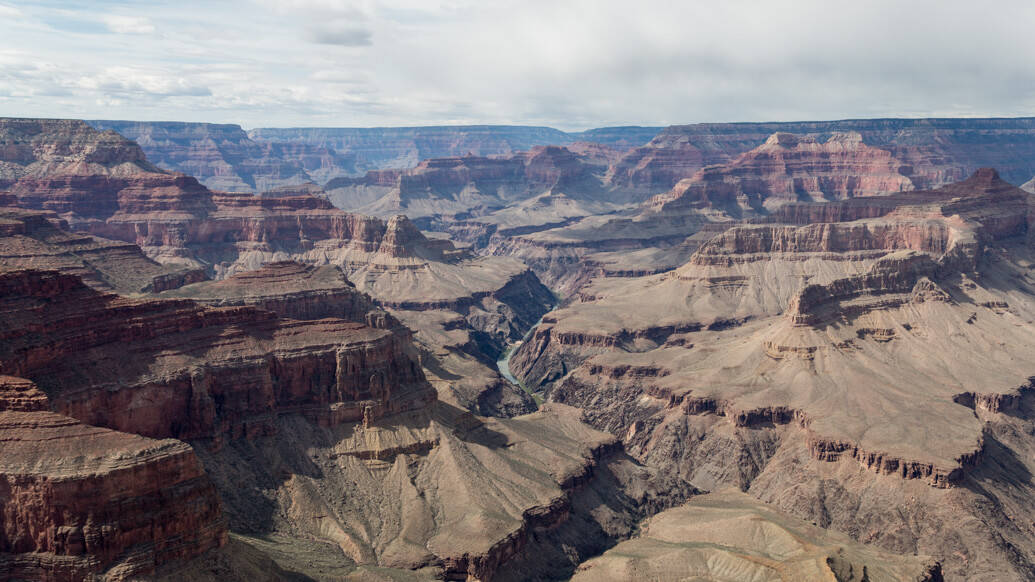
x,y
40,240
224,157
80,500
196,372
933,152
841,342
179,222
460,188
786,169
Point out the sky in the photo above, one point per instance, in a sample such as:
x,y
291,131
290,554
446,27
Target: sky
x,y
570,64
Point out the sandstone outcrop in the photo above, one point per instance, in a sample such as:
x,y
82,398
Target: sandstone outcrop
x,y
40,240
292,291
197,372
789,168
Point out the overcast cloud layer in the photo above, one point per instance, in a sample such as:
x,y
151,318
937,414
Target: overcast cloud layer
x,y
568,64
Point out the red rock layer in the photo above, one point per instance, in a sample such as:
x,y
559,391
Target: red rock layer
x,y
294,291
789,168
76,500
933,152
194,372
40,240
105,187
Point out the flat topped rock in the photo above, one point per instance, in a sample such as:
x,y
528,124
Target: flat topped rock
x,y
271,280
54,446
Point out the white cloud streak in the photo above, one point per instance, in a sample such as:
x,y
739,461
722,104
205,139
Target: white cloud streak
x,y
129,24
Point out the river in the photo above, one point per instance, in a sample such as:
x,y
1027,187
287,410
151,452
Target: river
x,y
504,362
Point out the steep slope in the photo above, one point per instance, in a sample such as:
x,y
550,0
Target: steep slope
x,y
78,500
826,357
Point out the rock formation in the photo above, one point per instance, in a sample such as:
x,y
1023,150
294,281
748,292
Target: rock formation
x,y
667,228
40,240
196,372
284,415
730,536
482,302
832,340
933,152
266,387
78,500
223,157
471,186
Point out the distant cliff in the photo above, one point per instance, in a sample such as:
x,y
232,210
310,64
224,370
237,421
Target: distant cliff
x,y
225,157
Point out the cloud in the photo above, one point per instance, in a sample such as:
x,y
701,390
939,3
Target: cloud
x,y
9,12
338,32
129,24
571,64
117,81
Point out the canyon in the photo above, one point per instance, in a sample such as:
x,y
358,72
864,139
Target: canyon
x,y
756,351
226,157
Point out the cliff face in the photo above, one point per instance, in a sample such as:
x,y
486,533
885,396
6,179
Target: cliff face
x,y
300,410
838,344
200,372
80,499
789,168
292,291
223,157
187,227
933,152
